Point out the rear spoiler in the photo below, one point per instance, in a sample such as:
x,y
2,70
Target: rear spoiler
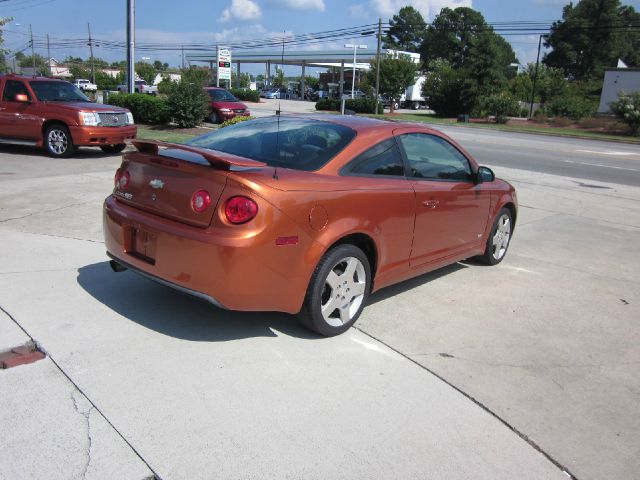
x,y
214,157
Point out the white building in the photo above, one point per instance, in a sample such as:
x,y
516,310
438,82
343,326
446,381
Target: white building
x,y
618,80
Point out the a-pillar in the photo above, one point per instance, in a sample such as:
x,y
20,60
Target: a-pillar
x,y
302,86
341,86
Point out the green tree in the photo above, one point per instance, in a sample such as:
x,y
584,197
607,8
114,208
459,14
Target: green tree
x,y
593,35
196,75
278,78
396,74
445,89
146,71
3,51
406,30
470,61
188,104
40,61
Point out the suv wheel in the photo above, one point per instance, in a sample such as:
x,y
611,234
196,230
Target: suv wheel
x,y
58,142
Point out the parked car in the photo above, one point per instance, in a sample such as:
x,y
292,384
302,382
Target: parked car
x,y
140,86
224,105
277,93
304,214
54,114
356,94
317,95
85,85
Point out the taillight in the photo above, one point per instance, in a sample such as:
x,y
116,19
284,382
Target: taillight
x,y
240,210
200,201
122,179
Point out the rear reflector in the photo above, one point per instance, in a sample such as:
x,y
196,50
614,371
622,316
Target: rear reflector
x,y
287,240
240,210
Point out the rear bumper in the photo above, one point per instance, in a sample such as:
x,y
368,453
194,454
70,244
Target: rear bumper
x,y
240,269
96,136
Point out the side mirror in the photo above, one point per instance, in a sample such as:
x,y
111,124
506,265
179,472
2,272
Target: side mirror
x,y
21,97
484,174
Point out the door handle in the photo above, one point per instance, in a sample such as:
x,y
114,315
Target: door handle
x,y
430,203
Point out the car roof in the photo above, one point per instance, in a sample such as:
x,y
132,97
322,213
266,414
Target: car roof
x,y
28,77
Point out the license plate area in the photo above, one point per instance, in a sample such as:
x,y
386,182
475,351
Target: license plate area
x,y
141,243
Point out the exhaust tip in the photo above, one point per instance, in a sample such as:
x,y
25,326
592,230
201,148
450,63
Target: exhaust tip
x,y
116,267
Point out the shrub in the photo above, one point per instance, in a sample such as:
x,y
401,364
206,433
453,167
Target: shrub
x,y
246,95
627,109
188,104
539,116
358,105
165,85
501,105
235,120
572,106
330,104
145,108
561,122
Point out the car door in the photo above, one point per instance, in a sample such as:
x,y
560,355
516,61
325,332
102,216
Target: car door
x,y
380,173
18,120
451,209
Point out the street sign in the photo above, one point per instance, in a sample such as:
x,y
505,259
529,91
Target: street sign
x,y
224,63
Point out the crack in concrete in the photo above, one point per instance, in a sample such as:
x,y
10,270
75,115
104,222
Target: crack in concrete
x,y
87,417
528,366
45,211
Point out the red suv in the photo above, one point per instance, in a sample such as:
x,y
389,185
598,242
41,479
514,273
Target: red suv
x,y
224,106
51,113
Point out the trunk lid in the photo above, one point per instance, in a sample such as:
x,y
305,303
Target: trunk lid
x,y
164,177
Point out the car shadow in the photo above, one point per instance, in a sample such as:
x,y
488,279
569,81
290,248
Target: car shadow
x,y
169,312
398,288
81,152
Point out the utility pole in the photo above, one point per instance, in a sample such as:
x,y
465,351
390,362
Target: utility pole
x,y
48,56
535,76
378,63
33,53
93,70
131,41
182,48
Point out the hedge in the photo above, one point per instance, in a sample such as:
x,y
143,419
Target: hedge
x,y
145,108
358,105
246,95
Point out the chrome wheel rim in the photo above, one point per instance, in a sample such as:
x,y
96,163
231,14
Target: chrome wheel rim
x,y
500,240
343,291
57,141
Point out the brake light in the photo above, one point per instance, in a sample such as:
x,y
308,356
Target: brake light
x,y
122,179
200,201
240,210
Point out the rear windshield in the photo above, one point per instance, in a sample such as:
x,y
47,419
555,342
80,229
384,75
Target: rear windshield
x,y
57,92
300,144
221,96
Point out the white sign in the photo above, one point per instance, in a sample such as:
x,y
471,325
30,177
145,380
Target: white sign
x,y
224,63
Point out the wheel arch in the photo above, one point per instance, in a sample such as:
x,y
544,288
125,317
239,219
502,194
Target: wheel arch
x,y
365,243
52,121
514,212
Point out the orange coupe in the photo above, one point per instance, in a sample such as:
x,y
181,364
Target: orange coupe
x,y
304,214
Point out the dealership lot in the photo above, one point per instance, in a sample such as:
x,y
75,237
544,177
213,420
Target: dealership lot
x,y
444,376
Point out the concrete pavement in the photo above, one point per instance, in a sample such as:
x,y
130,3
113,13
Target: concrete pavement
x,y
547,341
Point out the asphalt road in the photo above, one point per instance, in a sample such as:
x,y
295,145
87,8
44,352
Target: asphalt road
x,y
445,375
585,159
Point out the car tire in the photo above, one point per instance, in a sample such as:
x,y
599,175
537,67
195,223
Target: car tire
x,y
499,238
117,148
58,141
337,292
396,105
214,118
415,106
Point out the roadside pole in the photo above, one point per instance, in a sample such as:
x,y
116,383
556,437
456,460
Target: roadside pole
x,y
131,12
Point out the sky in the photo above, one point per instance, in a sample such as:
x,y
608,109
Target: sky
x,y
220,21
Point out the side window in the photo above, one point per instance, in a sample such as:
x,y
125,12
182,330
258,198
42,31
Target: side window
x,y
13,88
434,158
382,159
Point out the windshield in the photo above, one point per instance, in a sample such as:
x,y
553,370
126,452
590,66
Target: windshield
x,y
296,143
221,96
57,92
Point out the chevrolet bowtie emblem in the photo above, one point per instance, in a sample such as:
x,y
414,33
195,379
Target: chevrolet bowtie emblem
x,y
156,183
